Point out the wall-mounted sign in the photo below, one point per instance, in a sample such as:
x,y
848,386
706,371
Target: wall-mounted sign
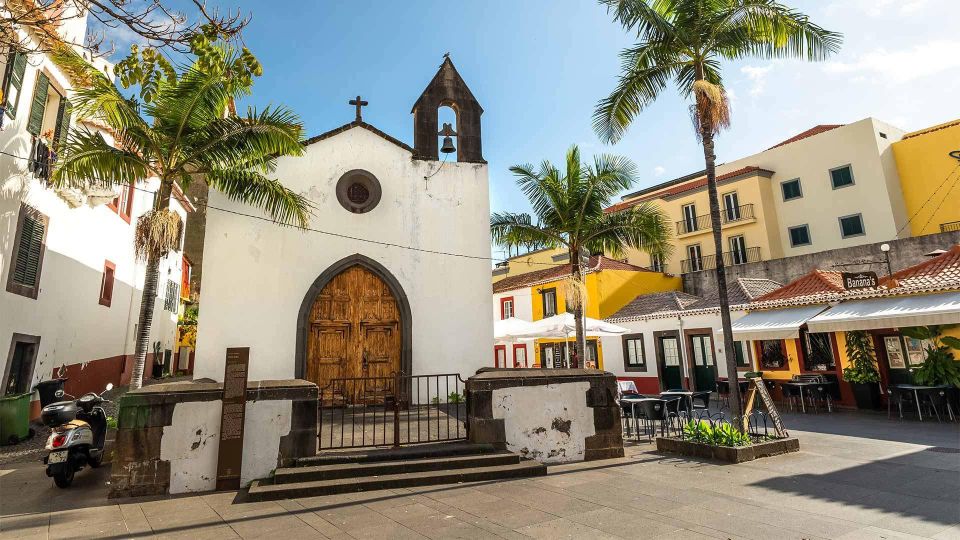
x,y
859,280
230,457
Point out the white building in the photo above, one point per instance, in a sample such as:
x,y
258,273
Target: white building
x,y
675,339
371,294
71,285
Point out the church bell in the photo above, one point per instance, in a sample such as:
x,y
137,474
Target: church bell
x,y
448,134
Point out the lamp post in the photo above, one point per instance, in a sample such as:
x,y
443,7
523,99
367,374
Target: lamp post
x,y
885,248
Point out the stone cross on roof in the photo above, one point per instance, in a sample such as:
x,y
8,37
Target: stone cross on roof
x,y
358,103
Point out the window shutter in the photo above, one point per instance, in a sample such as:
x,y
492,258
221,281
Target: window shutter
x,y
18,66
35,123
28,252
63,124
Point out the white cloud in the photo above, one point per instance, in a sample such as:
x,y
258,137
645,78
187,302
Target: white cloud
x,y
877,8
659,170
758,76
902,66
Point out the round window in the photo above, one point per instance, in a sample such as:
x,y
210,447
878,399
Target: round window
x,y
358,191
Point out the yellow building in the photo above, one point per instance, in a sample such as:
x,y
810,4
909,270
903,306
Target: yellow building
x,y
532,296
929,178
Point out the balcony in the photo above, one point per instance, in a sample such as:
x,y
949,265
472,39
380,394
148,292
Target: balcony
x,y
730,258
953,226
741,214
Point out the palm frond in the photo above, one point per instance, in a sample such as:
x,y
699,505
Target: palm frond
x,y
644,226
87,159
508,229
280,203
251,141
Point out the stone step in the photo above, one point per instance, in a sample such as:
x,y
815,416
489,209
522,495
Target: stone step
x,y
262,491
291,475
420,451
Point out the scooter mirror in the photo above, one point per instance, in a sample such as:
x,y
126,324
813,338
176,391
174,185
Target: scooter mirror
x,y
109,387
58,394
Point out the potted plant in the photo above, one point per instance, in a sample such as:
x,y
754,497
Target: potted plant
x,y
862,372
939,367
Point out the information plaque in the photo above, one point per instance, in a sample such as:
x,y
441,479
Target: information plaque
x,y
230,457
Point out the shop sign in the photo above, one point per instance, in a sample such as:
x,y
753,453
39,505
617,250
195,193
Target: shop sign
x,y
853,281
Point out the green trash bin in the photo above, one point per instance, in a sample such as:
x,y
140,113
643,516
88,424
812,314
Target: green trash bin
x,y
14,418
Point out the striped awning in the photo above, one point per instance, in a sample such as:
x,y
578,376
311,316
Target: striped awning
x,y
893,312
774,323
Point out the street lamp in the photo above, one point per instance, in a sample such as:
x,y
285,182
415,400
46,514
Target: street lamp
x,y
885,248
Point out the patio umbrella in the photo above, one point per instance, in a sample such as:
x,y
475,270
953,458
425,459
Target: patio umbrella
x,y
505,329
565,325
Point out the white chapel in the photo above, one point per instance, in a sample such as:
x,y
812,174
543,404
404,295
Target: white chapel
x,y
327,305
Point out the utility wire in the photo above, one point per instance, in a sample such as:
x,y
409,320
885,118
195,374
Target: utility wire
x,y
932,195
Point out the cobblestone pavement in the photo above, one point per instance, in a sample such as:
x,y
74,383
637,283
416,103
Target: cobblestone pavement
x,y
856,476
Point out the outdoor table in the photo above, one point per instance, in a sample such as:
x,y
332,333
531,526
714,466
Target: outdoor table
x,y
686,394
633,411
800,385
916,394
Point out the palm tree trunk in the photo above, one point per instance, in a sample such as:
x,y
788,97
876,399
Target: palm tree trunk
x,y
148,299
706,134
578,309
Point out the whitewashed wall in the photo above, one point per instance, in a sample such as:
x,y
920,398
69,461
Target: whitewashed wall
x,y
256,274
522,309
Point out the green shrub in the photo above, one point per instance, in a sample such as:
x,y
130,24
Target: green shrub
x,y
718,434
862,368
939,367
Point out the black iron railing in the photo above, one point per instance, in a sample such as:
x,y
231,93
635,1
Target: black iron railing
x,y
392,410
702,223
952,226
730,258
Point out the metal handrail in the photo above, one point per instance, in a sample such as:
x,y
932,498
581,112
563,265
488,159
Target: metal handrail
x,y
730,258
702,222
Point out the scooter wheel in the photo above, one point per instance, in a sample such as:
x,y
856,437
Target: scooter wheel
x,y
64,478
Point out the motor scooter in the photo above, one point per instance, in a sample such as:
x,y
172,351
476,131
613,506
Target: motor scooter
x,y
79,428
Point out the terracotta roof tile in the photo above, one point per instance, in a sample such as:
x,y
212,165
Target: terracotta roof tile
x,y
684,187
597,263
816,286
741,291
647,304
816,130
939,272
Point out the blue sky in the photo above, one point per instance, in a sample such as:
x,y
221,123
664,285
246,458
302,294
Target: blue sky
x,y
539,66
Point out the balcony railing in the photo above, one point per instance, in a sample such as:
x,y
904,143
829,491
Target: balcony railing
x,y
702,223
953,226
730,258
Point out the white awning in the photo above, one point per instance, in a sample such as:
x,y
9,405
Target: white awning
x,y
774,323
895,312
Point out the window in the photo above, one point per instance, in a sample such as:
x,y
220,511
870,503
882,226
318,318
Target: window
x,y
656,263
500,356
506,307
791,189
123,204
731,206
13,81
549,297
171,299
799,235
852,226
520,356
693,255
689,218
106,284
883,135
817,352
772,355
740,351
671,351
738,249
633,353
841,177
29,247
20,360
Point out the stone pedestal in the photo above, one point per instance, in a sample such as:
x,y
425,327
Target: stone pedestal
x,y
168,434
551,415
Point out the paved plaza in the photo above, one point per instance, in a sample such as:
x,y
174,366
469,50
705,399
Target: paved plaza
x,y
857,476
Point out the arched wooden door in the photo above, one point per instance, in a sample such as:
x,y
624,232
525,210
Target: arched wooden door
x,y
353,329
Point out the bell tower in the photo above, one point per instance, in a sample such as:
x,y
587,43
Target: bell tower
x,y
447,89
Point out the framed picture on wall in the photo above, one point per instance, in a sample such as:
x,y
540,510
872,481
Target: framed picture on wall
x,y
916,353
894,352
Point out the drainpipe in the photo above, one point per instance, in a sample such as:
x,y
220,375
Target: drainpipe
x,y
683,355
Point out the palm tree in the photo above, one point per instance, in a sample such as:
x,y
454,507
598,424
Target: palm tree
x,y
182,135
569,208
683,42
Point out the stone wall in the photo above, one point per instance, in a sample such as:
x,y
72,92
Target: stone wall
x,y
168,434
903,253
552,416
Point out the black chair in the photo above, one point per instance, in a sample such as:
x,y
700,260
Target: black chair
x,y
898,396
790,393
935,399
653,411
821,394
723,392
701,400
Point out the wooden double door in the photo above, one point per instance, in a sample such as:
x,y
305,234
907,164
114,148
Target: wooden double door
x,y
354,329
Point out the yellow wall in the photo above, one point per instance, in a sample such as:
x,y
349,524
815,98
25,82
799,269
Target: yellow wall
x,y
923,165
530,262
761,231
618,288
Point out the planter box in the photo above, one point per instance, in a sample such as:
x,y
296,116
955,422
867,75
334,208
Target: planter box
x,y
867,395
730,454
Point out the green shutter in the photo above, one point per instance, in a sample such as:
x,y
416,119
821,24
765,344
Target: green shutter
x,y
17,67
28,252
63,124
35,124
